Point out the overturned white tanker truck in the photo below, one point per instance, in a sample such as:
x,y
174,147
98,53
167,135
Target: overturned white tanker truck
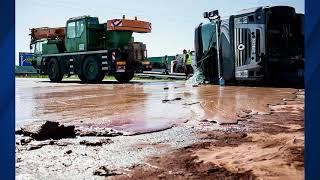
x,y
264,44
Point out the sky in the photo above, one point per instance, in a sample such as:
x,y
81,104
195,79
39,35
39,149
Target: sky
x,y
173,21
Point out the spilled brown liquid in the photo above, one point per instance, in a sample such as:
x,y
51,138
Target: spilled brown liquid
x,y
225,104
139,107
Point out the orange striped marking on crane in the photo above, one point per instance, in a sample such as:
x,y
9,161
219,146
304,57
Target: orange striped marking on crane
x,y
128,25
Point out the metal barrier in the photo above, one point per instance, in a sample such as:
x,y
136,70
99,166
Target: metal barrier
x,y
21,70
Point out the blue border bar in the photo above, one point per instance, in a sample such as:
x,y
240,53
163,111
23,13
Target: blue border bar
x,y
312,90
7,89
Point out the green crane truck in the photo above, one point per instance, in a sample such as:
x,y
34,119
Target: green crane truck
x,y
90,50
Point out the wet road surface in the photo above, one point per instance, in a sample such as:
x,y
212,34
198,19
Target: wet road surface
x,y
138,107
144,106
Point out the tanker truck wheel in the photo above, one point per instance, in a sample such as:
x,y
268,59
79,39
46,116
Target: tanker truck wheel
x,y
124,77
54,71
91,70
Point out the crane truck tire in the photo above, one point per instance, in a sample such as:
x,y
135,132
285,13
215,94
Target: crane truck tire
x,y
54,71
101,77
80,76
91,70
124,77
98,80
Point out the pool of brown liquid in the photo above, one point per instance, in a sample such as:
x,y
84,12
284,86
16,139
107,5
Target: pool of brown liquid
x,y
139,107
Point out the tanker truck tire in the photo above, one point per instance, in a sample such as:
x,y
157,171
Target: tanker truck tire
x,y
54,71
91,71
124,77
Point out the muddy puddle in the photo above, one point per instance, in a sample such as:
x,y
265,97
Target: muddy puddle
x,y
139,107
228,104
132,108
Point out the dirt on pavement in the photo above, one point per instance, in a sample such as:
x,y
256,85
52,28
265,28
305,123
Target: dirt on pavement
x,y
270,147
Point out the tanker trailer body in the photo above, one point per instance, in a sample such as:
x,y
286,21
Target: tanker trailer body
x,y
262,44
86,48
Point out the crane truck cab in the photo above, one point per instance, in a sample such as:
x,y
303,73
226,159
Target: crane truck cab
x,y
89,49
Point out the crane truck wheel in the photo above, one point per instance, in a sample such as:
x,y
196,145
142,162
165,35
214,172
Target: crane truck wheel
x,y
54,71
124,77
80,76
101,77
91,70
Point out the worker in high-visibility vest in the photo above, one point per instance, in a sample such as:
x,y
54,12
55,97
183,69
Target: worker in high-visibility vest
x,y
165,64
187,63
